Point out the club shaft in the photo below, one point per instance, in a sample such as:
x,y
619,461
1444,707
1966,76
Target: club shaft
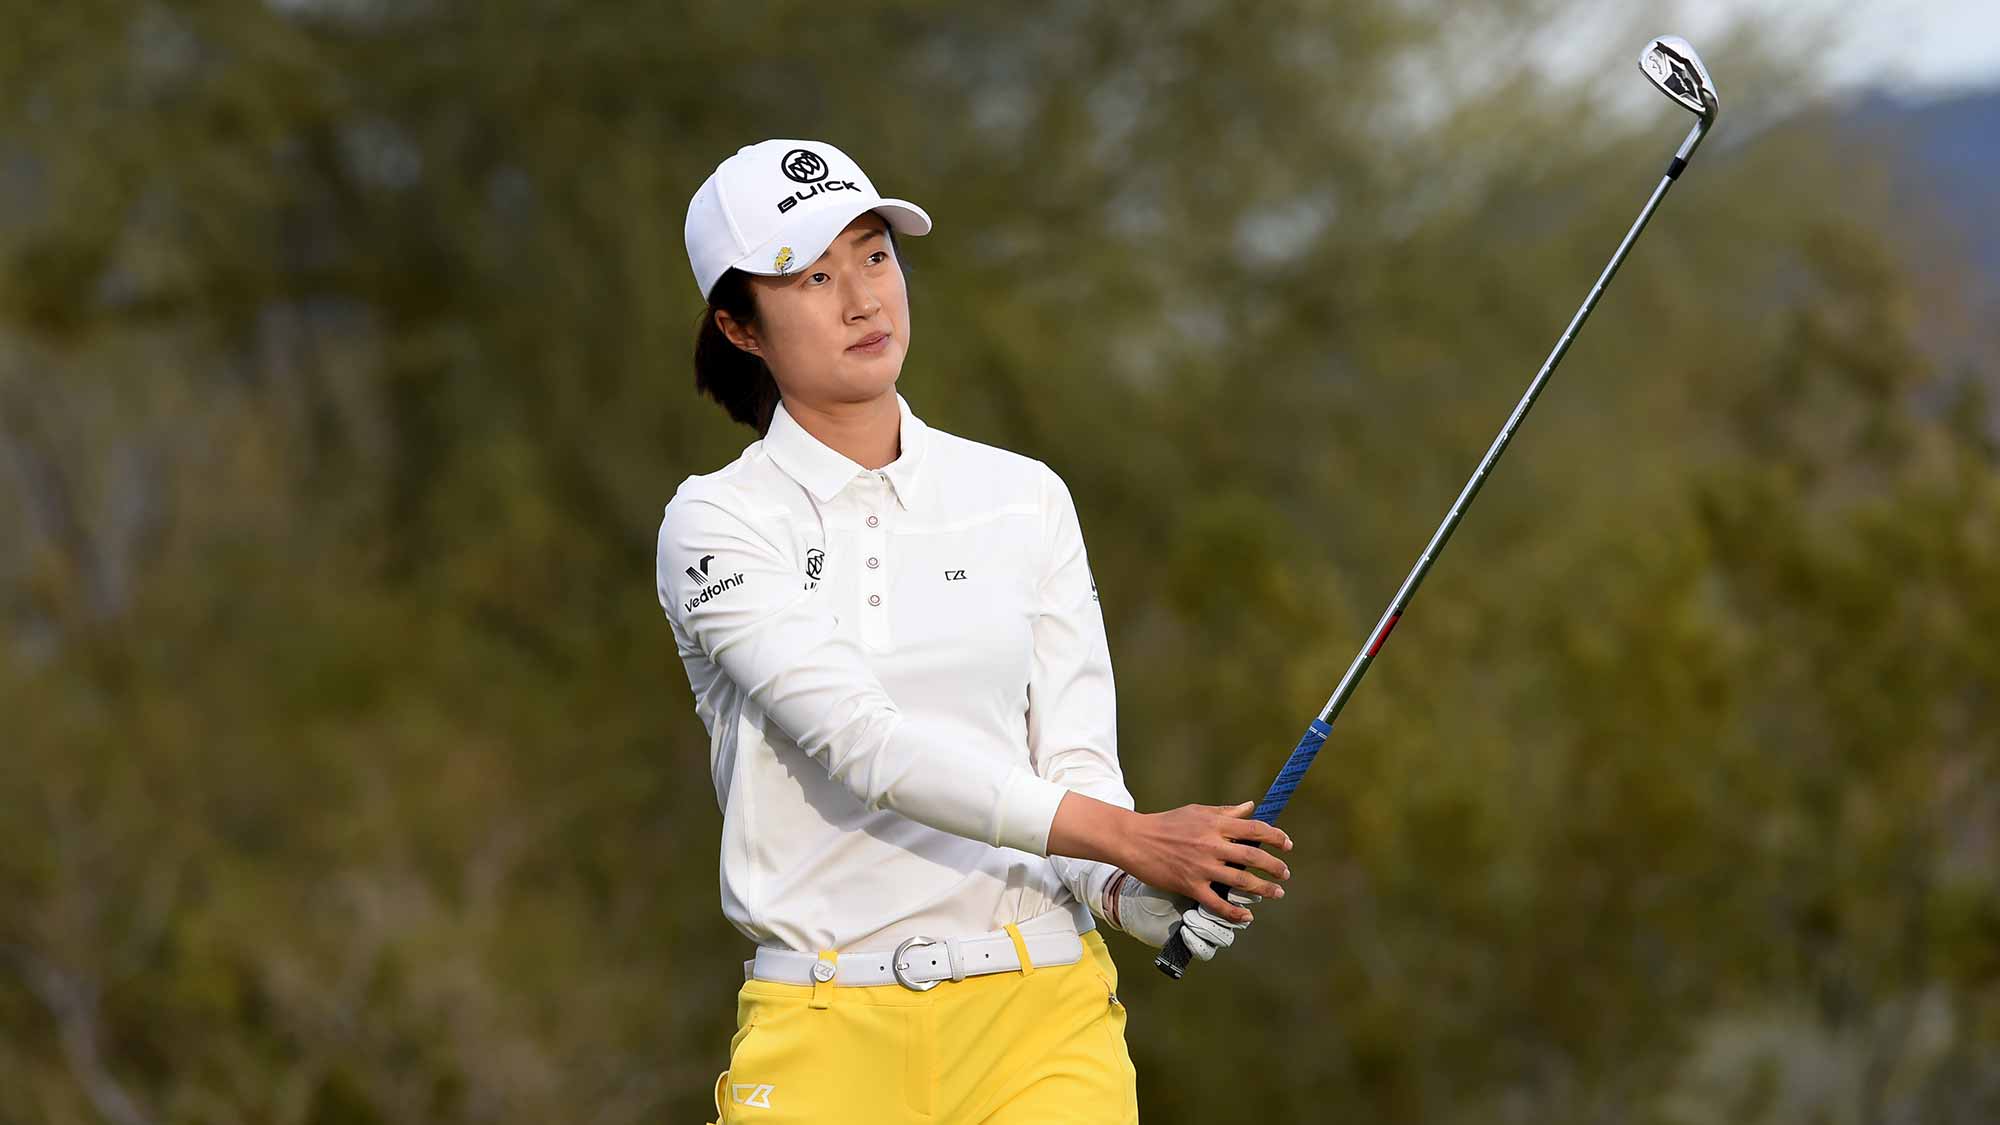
x,y
1173,959
1408,590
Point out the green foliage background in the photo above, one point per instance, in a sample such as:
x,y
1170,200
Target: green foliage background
x,y
347,773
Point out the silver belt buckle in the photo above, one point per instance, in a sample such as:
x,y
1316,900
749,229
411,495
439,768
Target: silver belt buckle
x,y
900,963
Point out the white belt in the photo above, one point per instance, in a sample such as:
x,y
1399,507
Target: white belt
x,y
919,963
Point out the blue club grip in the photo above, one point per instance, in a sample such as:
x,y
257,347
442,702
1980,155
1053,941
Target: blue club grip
x,y
1280,793
1174,956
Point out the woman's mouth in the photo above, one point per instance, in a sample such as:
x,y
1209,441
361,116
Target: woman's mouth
x,y
871,344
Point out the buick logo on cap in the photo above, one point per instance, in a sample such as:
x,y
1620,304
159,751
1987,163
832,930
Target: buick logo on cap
x,y
802,165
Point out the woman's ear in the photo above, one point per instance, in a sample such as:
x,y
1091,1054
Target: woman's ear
x,y
737,331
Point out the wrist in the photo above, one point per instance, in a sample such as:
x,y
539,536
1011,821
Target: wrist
x,y
1087,828
1114,891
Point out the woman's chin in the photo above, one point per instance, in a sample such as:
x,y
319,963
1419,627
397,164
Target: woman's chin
x,y
873,372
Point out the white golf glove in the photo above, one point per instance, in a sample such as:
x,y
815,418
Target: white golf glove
x,y
1150,914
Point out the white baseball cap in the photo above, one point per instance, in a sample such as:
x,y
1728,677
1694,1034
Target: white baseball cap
x,y
777,205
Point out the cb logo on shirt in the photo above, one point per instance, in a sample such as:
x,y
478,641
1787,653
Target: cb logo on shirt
x,y
751,1093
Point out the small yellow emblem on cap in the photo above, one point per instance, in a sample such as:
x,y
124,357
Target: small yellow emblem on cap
x,y
783,262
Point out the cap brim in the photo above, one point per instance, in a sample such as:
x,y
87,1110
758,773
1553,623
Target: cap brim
x,y
809,237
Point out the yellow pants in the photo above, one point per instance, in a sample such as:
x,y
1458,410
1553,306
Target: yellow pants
x,y
1044,1046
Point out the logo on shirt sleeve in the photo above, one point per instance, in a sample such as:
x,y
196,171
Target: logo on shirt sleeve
x,y
706,586
701,576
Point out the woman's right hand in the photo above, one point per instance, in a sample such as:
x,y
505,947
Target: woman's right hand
x,y
1186,849
1181,851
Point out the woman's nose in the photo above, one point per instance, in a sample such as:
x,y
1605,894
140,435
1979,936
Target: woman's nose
x,y
862,302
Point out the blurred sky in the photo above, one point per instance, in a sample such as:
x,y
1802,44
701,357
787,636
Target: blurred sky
x,y
1912,46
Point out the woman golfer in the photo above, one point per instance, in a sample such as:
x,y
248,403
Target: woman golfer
x,y
894,640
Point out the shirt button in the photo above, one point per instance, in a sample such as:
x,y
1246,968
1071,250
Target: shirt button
x,y
822,971
873,522
873,563
874,599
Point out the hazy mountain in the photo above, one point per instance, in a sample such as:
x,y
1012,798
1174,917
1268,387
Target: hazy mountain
x,y
1953,145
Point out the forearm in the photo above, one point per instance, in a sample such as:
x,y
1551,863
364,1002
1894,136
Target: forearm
x,y
887,765
1088,879
1087,828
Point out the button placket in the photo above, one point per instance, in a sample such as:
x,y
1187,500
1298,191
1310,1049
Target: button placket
x,y
872,582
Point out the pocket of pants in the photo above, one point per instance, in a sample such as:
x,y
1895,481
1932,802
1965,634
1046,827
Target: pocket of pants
x,y
743,1033
1113,1020
793,1064
751,1066
1111,992
728,1093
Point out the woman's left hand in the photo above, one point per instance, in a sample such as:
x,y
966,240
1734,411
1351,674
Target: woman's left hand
x,y
1152,915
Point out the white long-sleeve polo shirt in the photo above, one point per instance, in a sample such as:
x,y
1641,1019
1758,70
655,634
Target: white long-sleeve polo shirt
x,y
902,672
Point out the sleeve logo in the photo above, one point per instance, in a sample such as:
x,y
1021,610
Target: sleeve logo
x,y
707,587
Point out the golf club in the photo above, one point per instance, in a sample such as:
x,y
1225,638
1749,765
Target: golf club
x,y
1671,64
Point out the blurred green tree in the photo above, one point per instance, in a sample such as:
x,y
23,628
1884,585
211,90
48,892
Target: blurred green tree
x,y
350,774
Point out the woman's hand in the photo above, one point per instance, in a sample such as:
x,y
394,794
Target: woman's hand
x,y
1154,917
1181,851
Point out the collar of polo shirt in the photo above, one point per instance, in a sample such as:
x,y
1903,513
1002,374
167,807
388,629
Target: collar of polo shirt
x,y
823,471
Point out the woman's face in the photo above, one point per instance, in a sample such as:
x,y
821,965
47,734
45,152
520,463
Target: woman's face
x,y
837,330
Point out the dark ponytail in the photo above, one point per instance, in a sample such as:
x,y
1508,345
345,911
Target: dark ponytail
x,y
725,372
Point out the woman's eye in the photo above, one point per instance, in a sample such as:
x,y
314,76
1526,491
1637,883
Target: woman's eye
x,y
818,278
878,257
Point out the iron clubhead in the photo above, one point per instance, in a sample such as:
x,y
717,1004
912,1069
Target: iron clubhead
x,y
1670,62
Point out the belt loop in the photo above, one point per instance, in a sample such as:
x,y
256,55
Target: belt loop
x,y
1021,949
823,974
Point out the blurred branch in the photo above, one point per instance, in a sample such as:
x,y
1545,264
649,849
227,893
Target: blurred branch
x,y
45,488
101,558
72,1000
